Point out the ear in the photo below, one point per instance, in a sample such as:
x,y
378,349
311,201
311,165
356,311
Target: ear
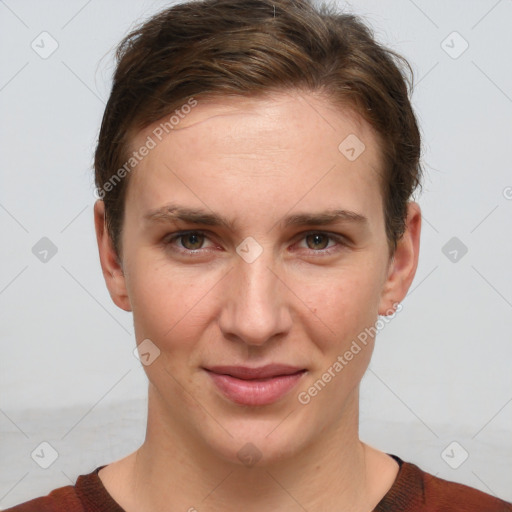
x,y
110,264
403,264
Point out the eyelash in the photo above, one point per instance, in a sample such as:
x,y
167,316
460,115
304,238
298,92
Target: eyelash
x,y
339,239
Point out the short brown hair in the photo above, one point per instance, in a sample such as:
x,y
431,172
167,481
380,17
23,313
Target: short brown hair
x,y
219,48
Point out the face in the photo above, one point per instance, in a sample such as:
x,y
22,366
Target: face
x,y
254,255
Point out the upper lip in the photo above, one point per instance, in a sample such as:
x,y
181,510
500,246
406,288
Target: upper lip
x,y
261,372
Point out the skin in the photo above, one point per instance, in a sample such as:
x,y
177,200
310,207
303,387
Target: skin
x,y
255,162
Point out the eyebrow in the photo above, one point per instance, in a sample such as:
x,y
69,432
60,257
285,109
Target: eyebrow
x,y
174,213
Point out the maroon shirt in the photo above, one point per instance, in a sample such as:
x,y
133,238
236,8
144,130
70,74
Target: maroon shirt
x,y
413,490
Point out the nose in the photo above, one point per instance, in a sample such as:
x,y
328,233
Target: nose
x,y
255,310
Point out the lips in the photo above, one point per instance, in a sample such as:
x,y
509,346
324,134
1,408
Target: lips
x,y
255,386
262,372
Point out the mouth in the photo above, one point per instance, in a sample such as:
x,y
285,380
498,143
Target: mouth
x,y
255,386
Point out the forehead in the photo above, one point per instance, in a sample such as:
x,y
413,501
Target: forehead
x,y
312,112
267,149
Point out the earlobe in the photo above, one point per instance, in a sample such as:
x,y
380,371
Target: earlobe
x,y
110,264
404,263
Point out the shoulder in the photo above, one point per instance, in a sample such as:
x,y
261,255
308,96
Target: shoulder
x,y
64,499
88,494
457,497
419,491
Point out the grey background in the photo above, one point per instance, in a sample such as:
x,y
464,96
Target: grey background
x,y
441,371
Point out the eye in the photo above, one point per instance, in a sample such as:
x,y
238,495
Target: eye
x,y
193,242
323,243
187,241
317,241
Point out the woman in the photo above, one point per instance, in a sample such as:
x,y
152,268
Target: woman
x,y
254,169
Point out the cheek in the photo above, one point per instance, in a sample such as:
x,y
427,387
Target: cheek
x,y
348,309
168,303
344,302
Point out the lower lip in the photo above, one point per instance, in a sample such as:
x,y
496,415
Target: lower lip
x,y
257,391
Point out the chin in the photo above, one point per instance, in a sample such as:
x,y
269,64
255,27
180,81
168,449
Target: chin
x,y
258,442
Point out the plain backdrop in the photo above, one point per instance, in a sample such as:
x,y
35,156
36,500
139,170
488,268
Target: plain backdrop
x,y
439,389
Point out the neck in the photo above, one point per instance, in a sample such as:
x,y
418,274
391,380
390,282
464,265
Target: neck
x,y
172,470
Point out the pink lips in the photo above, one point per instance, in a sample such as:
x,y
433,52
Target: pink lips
x,y
255,386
